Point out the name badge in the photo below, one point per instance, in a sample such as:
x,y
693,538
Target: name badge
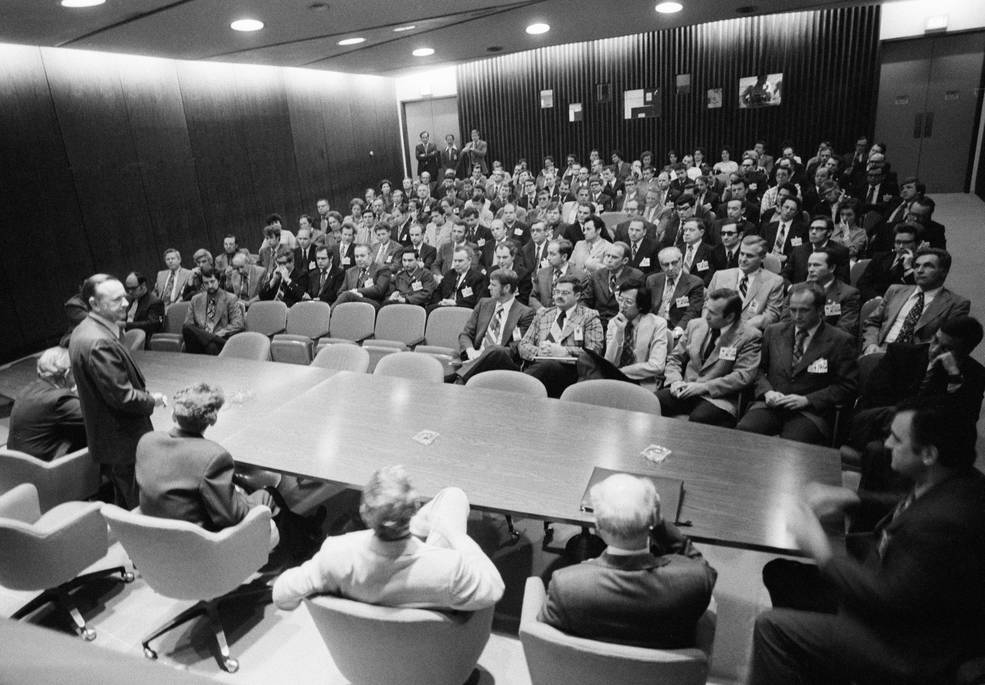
x,y
312,266
369,283
579,334
516,335
389,258
466,292
481,242
346,261
702,265
416,285
682,301
544,263
796,242
819,366
645,261
832,309
727,354
517,231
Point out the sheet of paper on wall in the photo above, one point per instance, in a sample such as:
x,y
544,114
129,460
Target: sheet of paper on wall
x,y
547,99
641,104
575,112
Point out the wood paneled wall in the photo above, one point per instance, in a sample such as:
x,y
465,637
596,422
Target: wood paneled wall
x,y
107,160
829,61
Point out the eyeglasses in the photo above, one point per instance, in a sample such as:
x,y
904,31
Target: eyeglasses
x,y
280,263
558,291
730,232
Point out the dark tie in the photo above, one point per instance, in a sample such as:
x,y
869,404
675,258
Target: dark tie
x,y
362,278
244,286
910,323
559,325
903,505
744,286
628,355
321,282
709,344
612,283
636,247
210,313
799,337
871,199
168,288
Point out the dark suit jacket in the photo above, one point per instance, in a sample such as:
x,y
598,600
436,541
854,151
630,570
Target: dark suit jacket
x,y
528,253
519,232
517,320
450,158
646,256
599,295
946,305
881,273
342,255
427,255
472,288
149,316
380,275
678,314
796,236
115,404
646,600
795,268
183,476
290,293
622,231
333,283
570,232
427,159
45,417
728,259
841,309
707,260
304,260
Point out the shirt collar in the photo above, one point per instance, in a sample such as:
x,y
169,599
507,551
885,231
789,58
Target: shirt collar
x,y
111,325
614,551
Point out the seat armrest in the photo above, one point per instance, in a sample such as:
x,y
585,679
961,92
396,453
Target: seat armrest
x,y
534,598
21,504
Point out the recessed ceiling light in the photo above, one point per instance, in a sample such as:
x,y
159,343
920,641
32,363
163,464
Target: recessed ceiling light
x,y
82,3
423,52
352,41
669,7
536,29
401,29
246,25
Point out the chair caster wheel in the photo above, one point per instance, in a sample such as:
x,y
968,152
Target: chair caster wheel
x,y
150,653
230,665
87,634
127,577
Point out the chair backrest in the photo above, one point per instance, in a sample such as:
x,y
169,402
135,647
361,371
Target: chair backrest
x,y
556,658
266,317
613,219
508,381
772,263
867,363
444,325
247,345
612,393
375,644
134,339
420,367
174,316
403,322
72,477
208,565
310,319
866,310
858,268
352,320
342,357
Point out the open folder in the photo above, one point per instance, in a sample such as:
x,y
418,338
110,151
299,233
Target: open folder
x,y
671,491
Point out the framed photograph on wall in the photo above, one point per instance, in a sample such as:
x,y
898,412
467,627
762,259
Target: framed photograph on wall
x,y
641,104
714,98
764,90
575,112
547,99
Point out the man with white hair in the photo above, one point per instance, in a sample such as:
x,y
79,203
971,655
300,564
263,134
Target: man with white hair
x,y
411,556
46,419
649,587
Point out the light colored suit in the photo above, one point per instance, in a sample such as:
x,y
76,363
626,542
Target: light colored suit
x,y
582,330
946,305
254,279
543,292
724,378
764,297
589,258
650,348
181,277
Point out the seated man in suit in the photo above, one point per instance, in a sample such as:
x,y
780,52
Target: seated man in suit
x,y
676,296
385,250
602,288
507,257
761,290
184,476
172,280
491,337
906,606
558,266
366,281
533,254
463,284
731,238
213,317
412,284
46,419
146,310
841,307
819,237
643,249
635,343
700,258
304,253
410,556
286,282
244,279
890,268
326,279
788,232
425,253
229,250
807,368
193,285
649,587
713,362
913,313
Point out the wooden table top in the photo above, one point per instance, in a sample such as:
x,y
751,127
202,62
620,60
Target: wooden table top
x,y
530,457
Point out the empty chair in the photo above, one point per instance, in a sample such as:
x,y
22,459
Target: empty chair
x,y
420,367
556,658
266,317
615,394
373,644
399,325
508,381
351,321
74,476
48,551
858,268
342,357
772,263
306,322
210,567
247,345
134,339
613,219
443,327
174,318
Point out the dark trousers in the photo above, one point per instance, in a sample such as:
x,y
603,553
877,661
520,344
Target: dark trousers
x,y
123,478
592,365
868,425
200,341
791,425
492,357
555,376
698,409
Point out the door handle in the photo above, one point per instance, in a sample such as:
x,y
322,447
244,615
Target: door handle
x,y
918,125
928,124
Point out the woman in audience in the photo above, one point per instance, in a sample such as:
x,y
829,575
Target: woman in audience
x,y
727,165
848,232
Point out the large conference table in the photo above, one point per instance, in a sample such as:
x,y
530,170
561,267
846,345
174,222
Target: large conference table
x,y
510,453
